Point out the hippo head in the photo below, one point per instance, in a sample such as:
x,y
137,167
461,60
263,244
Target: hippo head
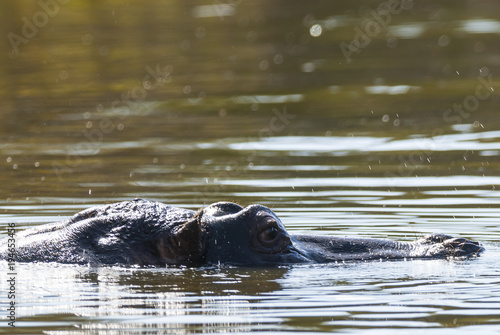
x,y
252,235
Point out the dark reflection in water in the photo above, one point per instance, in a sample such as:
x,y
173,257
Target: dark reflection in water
x,y
381,295
348,118
190,281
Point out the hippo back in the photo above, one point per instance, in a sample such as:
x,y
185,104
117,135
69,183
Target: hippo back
x,y
128,232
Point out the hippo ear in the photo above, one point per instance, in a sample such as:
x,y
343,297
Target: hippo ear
x,y
185,245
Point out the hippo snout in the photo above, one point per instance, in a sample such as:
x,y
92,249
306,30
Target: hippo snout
x,y
460,247
321,249
442,245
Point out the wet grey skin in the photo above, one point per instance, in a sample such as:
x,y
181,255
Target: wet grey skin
x,y
146,233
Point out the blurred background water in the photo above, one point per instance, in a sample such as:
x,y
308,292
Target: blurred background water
x,y
364,118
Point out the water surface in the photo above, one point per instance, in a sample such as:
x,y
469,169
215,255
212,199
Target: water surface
x,y
257,102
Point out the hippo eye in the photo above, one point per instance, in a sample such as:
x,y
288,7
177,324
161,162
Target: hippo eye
x,y
270,233
270,237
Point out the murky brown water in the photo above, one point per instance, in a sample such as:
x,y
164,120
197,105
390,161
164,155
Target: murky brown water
x,y
357,118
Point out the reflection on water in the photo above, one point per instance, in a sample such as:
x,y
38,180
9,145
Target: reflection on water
x,y
480,26
385,295
392,90
410,30
268,99
480,141
192,103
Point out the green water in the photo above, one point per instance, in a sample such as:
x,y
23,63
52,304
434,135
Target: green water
x,y
352,118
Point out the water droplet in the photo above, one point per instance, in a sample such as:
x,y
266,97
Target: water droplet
x,y
264,65
278,59
443,41
484,71
63,75
87,39
316,30
392,41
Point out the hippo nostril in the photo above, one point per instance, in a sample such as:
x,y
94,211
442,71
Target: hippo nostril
x,y
463,247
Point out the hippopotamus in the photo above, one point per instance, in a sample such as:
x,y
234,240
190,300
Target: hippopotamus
x,y
147,233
